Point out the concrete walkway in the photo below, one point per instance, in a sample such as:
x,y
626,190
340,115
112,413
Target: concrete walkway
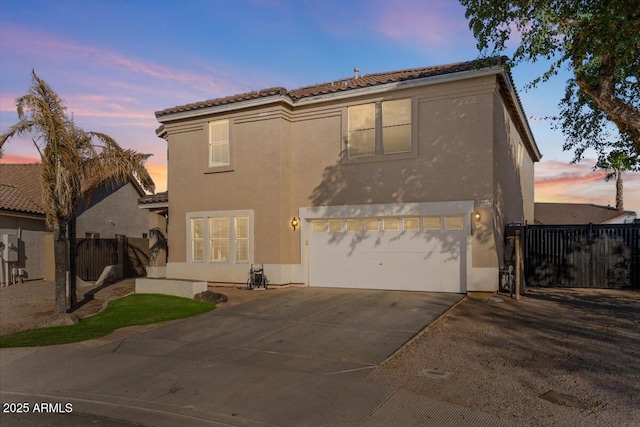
x,y
291,358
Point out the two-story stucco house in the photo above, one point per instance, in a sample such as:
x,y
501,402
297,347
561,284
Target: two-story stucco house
x,y
112,210
395,180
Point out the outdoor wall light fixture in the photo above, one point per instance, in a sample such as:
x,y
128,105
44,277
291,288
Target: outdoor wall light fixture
x,y
295,223
477,216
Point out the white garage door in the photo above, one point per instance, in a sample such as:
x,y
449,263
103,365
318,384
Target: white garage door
x,y
402,253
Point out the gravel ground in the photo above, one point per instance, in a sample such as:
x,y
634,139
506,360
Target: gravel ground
x,y
579,349
30,304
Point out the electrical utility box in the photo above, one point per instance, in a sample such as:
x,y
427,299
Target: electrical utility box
x,y
10,248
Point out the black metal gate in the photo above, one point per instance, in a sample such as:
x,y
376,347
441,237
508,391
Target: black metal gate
x,y
586,256
93,255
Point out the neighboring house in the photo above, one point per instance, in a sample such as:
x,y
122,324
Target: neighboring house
x,y
22,216
111,211
398,180
580,213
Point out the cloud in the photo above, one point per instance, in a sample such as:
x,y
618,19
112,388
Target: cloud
x,y
8,102
555,173
80,72
15,158
24,40
579,183
424,24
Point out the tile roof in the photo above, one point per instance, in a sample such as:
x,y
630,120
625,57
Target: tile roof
x,y
13,199
20,189
162,197
342,84
576,213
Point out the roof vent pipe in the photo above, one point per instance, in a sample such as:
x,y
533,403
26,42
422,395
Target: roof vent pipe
x,y
356,73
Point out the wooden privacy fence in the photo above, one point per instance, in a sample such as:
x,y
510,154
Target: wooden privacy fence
x,y
586,256
93,255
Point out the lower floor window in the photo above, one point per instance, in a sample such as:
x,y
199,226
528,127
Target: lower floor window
x,y
242,238
228,233
219,238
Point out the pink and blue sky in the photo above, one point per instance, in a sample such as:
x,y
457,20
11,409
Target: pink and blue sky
x,y
116,62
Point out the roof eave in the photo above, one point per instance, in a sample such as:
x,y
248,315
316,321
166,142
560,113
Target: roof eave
x,y
22,214
153,205
404,84
216,109
342,94
521,116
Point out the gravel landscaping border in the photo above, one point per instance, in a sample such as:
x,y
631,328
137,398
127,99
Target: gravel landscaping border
x,y
558,357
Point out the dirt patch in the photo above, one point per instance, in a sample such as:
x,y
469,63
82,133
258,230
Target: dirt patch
x,y
557,357
31,304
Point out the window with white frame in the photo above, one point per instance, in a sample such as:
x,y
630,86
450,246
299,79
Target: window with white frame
x,y
431,222
379,128
371,224
410,223
396,126
220,236
390,224
453,223
335,225
353,224
219,239
242,238
219,143
197,239
362,127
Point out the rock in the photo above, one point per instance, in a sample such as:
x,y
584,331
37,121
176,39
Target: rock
x,y
211,297
61,319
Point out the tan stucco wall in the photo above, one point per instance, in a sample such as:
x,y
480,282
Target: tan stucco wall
x,y
454,155
113,212
284,159
513,198
256,181
31,233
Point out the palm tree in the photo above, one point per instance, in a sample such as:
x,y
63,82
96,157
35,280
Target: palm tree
x,y
72,167
615,164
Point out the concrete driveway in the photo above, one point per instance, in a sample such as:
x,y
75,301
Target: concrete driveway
x,y
291,357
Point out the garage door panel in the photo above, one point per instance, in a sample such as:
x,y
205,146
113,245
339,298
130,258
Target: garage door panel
x,y
443,273
402,271
363,270
424,260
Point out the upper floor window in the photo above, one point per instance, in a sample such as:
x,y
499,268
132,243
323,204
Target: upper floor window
x,y
362,136
379,128
396,126
219,143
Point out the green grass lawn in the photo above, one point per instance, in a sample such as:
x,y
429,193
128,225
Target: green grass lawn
x,y
138,309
